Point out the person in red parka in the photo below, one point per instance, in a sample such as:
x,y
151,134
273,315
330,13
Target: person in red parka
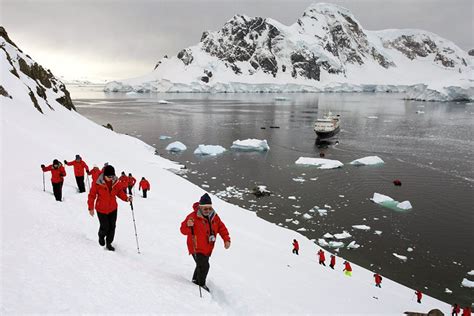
x,y
378,280
347,268
456,310
201,228
103,195
296,246
333,261
466,311
419,295
124,181
144,185
57,178
322,257
95,173
131,183
79,167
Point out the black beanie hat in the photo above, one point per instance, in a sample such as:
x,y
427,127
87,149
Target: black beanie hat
x,y
109,171
55,162
205,199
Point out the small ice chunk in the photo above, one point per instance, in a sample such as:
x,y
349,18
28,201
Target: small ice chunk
x,y
328,235
320,163
378,232
288,220
163,102
448,291
164,137
342,235
403,258
296,222
204,185
326,205
405,205
211,150
176,147
302,229
380,198
420,112
409,249
372,117
361,227
298,179
353,245
296,212
336,244
250,145
467,283
470,272
307,216
292,197
341,196
322,212
322,242
367,161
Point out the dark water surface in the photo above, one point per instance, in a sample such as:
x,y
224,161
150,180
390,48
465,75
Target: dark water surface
x,y
431,153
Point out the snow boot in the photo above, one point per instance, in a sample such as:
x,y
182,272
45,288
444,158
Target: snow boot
x,y
206,288
110,247
102,241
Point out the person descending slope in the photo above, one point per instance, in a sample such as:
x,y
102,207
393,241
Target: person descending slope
x,y
201,227
347,268
103,194
131,183
378,280
322,257
57,178
296,246
144,185
419,295
79,167
333,261
124,181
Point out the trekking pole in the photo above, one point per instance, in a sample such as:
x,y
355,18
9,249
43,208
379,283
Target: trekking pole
x,y
44,188
135,226
88,183
195,254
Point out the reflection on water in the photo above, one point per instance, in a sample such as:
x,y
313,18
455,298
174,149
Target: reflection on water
x,y
432,154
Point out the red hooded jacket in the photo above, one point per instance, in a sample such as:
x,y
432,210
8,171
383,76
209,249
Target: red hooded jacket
x,y
418,295
95,172
131,181
202,231
104,195
347,266
296,245
333,260
79,167
144,184
466,311
57,175
378,278
322,257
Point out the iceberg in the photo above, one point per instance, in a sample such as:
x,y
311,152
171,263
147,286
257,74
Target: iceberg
x,y
250,145
388,202
361,227
176,147
211,150
405,205
440,92
336,244
380,198
467,283
353,245
367,161
403,258
328,235
322,242
342,235
470,272
321,163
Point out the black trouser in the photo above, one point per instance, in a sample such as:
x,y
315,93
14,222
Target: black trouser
x,y
130,190
202,268
295,251
107,226
144,193
332,266
58,190
378,285
80,184
322,262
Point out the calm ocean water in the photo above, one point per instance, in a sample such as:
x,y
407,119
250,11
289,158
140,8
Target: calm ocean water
x,y
431,152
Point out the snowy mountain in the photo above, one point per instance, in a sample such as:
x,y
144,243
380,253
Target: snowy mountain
x,y
52,262
327,49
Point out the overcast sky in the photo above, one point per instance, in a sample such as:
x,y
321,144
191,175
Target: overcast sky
x,y
116,39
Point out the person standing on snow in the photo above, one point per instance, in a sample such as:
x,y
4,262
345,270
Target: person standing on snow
x,y
296,246
333,261
347,268
144,185
419,295
378,280
124,181
322,257
79,167
456,310
466,311
131,183
57,178
95,173
103,195
201,227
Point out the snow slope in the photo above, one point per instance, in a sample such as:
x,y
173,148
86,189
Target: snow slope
x,y
52,263
326,49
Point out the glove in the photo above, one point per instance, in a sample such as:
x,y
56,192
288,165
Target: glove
x,y
88,173
43,166
65,162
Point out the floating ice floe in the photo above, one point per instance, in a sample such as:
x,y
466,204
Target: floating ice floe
x,y
361,227
420,112
302,229
342,235
405,205
250,145
388,202
292,197
296,222
353,245
298,179
176,147
467,283
367,161
378,232
403,258
281,99
336,244
409,249
164,137
328,235
448,291
470,272
211,150
372,117
307,216
322,242
320,163
131,93
163,102
322,212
